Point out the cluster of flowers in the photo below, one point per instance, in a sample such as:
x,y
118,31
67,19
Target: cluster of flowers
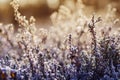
x,y
40,54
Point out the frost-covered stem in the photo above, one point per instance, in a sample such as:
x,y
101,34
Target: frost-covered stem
x,y
93,33
41,62
55,71
31,65
91,26
70,41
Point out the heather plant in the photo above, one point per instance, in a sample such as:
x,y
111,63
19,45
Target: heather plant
x,y
74,48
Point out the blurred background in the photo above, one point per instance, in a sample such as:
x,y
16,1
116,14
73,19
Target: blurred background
x,y
42,9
